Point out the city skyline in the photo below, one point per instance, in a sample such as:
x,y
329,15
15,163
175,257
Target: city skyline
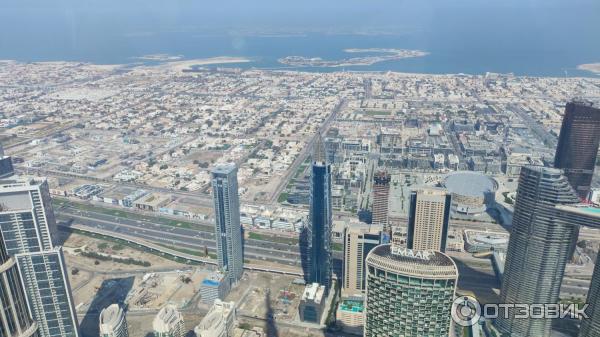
x,y
275,169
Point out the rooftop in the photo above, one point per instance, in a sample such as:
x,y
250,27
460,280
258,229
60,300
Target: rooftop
x,y
471,184
426,264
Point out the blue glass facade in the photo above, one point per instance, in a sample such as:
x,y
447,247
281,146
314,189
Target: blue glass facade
x,y
320,220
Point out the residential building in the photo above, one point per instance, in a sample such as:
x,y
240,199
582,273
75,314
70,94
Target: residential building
x,y
169,323
27,225
218,322
113,322
320,218
228,231
428,219
358,242
409,292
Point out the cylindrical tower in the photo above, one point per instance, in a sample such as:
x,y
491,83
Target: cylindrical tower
x,y
409,293
113,322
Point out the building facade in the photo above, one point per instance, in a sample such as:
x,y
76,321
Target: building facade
x,y
358,242
218,322
113,322
320,218
214,286
27,224
398,279
350,315
578,145
538,247
312,303
228,231
428,219
169,323
15,318
381,193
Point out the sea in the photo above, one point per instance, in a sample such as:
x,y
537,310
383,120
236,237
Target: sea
x,y
523,37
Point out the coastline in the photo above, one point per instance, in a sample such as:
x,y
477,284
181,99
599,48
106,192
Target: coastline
x,y
591,67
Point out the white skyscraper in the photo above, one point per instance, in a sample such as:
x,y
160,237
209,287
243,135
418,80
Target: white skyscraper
x,y
27,224
169,323
228,231
113,322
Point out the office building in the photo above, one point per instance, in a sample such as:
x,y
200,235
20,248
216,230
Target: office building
x,y
214,286
218,322
113,322
428,219
15,318
578,145
538,247
577,150
358,242
381,193
27,224
320,218
228,231
409,292
312,303
169,323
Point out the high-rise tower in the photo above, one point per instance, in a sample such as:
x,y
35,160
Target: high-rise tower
x,y
169,323
113,322
320,217
538,247
358,242
228,231
428,219
409,293
27,224
15,318
381,193
578,145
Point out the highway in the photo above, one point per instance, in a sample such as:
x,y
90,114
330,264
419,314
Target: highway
x,y
170,236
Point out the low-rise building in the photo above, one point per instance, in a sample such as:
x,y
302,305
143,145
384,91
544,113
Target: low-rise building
x,y
351,315
312,303
214,286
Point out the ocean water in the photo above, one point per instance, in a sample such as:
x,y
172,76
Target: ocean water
x,y
525,37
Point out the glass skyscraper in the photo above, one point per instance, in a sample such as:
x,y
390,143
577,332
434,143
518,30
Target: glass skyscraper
x,y
15,318
27,224
578,145
409,293
228,231
320,218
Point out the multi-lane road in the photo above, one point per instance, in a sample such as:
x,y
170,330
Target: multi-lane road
x,y
176,237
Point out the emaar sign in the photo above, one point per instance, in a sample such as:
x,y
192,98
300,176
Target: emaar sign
x,y
405,252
